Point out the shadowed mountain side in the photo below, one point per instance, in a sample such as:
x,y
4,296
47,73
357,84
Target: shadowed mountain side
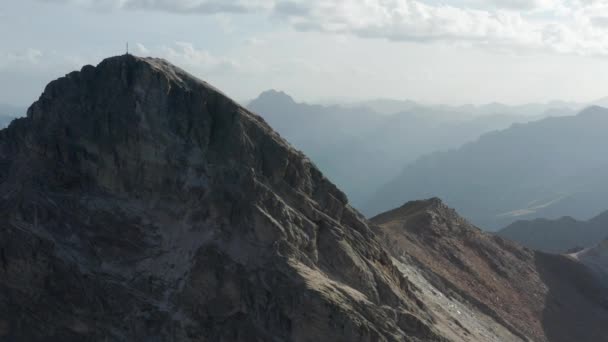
x,y
596,257
514,285
575,303
558,236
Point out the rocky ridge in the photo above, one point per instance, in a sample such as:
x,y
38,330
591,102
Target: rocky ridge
x,y
536,296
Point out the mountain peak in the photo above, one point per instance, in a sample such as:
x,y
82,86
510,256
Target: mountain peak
x,y
275,97
512,284
135,189
434,204
594,111
561,235
128,66
111,122
142,124
128,75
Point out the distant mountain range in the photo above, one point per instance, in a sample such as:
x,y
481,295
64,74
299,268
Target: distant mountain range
x,y
360,149
558,236
553,108
549,168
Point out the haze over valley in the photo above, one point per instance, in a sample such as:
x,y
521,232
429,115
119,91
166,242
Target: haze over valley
x,y
362,146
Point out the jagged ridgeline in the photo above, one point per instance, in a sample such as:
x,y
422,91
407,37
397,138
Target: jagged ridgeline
x,y
141,204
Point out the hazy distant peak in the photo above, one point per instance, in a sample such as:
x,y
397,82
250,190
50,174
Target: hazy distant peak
x,y
594,110
603,217
558,236
275,96
568,219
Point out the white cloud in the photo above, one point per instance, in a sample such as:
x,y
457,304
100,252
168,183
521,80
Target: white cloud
x,y
141,49
570,30
177,6
33,61
562,26
187,55
33,68
225,22
21,58
255,41
517,5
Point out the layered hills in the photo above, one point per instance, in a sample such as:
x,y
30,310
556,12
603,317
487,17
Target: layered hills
x,y
360,149
544,169
563,235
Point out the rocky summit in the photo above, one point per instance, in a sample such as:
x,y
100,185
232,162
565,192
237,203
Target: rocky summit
x,y
528,295
139,203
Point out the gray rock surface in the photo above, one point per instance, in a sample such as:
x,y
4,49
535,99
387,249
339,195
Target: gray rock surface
x,y
138,203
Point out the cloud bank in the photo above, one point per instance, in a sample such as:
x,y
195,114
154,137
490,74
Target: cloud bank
x,y
175,6
563,26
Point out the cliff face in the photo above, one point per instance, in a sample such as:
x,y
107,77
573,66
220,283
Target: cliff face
x,y
536,296
139,203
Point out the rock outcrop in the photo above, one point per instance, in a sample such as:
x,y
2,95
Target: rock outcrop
x,y
138,203
536,296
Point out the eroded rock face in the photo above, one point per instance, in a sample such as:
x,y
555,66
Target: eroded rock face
x,y
138,203
534,295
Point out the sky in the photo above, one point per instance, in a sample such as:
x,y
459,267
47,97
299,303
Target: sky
x,y
431,51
